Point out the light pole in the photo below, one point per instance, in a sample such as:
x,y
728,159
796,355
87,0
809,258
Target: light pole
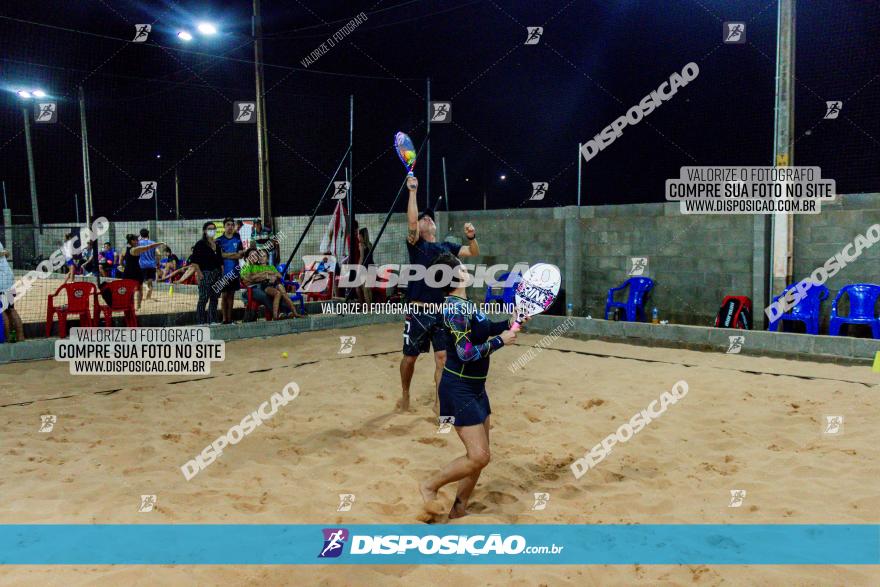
x,y
262,133
87,170
176,194
35,212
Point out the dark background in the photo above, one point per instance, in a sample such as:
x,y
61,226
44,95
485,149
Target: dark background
x,y
517,110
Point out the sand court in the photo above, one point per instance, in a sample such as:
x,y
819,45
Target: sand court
x,y
746,423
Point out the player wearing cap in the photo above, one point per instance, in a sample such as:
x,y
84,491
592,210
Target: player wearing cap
x,y
422,329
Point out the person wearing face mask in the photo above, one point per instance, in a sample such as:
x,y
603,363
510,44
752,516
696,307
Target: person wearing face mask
x,y
208,259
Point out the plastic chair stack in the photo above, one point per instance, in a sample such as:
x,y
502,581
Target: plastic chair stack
x,y
252,305
862,301
79,299
121,300
634,306
504,294
808,310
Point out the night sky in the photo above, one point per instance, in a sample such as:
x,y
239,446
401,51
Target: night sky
x,y
517,110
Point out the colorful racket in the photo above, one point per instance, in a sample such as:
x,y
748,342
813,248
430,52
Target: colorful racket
x,y
536,292
406,151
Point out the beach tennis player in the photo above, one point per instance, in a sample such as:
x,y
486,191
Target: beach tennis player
x,y
470,338
420,329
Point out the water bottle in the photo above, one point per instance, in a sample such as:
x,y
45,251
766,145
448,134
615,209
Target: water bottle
x,y
655,316
569,310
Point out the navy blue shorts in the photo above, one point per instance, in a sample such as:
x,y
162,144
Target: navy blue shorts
x,y
465,400
421,332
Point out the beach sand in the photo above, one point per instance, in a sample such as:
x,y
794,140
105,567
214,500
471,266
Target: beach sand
x,y
117,438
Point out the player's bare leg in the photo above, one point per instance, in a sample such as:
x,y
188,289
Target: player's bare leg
x,y
407,368
476,442
439,363
466,486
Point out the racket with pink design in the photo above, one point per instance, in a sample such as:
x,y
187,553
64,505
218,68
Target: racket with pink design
x,y
536,292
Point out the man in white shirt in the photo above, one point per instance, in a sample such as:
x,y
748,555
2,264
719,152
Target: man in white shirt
x,y
7,294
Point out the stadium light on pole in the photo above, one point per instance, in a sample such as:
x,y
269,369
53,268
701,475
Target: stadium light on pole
x,y
35,211
184,36
206,28
26,95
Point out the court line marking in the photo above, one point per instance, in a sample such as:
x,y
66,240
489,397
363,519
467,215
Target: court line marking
x,y
108,392
748,371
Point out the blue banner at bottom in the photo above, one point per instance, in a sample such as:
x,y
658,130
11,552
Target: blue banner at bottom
x,y
44,544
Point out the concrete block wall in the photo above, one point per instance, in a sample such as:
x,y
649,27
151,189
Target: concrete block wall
x,y
821,236
695,260
511,236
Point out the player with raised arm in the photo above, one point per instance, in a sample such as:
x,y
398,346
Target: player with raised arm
x,y
421,327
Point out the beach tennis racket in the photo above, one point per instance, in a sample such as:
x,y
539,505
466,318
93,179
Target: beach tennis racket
x,y
406,151
536,292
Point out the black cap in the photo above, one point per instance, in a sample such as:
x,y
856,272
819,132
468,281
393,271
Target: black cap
x,y
427,212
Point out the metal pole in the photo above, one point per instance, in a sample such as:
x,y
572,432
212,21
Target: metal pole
x,y
580,160
262,141
87,173
76,203
428,154
5,204
349,177
352,233
176,195
445,190
782,227
156,204
35,212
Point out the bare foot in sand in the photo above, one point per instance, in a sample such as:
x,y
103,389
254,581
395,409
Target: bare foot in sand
x,y
459,510
429,496
403,403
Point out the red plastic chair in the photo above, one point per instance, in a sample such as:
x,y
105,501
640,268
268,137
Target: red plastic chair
x,y
79,297
254,306
121,300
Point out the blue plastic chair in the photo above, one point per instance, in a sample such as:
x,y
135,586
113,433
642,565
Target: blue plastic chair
x,y
296,296
862,300
634,306
508,293
808,310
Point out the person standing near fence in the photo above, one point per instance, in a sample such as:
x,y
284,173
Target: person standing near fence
x,y
11,319
261,235
147,261
207,258
364,293
232,250
70,260
133,270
